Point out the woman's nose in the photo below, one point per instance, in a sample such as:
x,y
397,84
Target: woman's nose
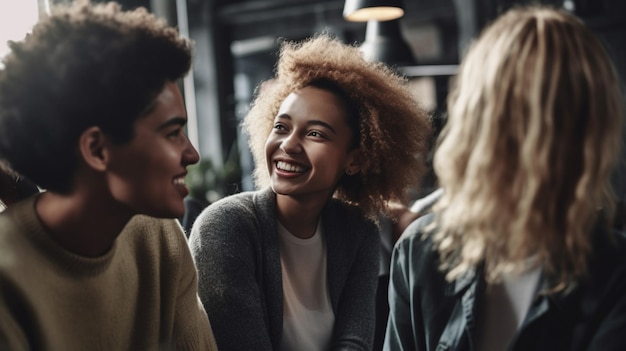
x,y
291,144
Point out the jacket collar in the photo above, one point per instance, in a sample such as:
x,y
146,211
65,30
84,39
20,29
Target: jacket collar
x,y
466,280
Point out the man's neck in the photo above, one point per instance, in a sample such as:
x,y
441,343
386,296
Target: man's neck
x,y
84,225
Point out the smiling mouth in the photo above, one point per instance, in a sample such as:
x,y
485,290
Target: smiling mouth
x,y
179,181
289,167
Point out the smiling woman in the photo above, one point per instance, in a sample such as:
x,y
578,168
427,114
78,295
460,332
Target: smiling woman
x,y
294,265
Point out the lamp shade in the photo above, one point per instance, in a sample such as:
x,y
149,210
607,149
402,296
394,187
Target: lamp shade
x,y
379,10
384,43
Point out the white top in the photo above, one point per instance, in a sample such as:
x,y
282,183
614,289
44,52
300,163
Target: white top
x,y
308,316
504,307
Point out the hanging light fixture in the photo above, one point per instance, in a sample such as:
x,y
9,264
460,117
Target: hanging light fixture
x,y
384,43
365,10
383,38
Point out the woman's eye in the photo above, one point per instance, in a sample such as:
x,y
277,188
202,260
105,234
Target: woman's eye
x,y
316,134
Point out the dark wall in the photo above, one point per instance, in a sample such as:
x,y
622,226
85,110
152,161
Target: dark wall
x,y
457,23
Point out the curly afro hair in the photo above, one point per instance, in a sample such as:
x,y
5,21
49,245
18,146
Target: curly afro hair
x,y
393,132
84,65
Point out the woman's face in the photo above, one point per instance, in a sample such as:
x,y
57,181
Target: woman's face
x,y
307,151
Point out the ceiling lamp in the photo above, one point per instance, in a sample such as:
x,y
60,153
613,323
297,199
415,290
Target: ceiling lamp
x,y
379,10
384,43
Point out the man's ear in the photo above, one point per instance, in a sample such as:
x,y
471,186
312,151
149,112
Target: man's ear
x,y
92,145
354,163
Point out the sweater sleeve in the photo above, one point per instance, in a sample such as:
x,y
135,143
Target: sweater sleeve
x,y
192,330
223,247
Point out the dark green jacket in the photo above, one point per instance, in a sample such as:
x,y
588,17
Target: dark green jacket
x,y
429,313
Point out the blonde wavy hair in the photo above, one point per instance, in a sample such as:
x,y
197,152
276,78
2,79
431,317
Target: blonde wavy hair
x,y
393,133
534,132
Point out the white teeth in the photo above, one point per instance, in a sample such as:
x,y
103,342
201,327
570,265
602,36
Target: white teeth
x,y
179,181
284,166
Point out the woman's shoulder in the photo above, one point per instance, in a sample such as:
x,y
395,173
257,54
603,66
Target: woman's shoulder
x,y
243,222
608,253
238,214
340,211
416,237
237,205
419,227
234,200
415,255
345,208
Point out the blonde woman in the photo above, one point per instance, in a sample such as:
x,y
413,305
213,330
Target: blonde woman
x,y
519,253
294,265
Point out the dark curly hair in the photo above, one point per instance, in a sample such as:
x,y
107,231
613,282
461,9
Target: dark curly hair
x,y
391,129
84,65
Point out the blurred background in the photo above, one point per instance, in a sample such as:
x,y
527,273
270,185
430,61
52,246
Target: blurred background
x,y
236,43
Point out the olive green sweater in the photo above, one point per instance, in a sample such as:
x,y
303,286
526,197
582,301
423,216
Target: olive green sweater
x,y
141,295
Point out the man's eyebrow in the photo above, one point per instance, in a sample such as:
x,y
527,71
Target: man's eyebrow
x,y
173,121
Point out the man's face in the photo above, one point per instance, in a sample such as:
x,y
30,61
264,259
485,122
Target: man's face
x,y
147,174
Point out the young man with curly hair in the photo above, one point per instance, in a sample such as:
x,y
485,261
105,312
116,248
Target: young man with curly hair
x,y
520,253
91,112
294,265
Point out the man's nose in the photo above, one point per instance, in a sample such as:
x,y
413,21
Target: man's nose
x,y
190,154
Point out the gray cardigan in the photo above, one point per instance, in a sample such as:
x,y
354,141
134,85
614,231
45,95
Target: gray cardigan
x,y
236,249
